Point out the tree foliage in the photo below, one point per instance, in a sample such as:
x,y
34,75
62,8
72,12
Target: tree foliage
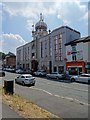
x,y
2,55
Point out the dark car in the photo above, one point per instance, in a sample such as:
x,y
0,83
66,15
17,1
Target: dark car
x,y
66,76
28,71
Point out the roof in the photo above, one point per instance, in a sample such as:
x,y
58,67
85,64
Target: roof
x,y
83,39
10,54
67,28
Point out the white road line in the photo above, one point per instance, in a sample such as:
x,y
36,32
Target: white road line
x,y
68,87
67,98
72,99
42,90
64,86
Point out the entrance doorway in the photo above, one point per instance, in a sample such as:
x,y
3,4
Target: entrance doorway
x,y
34,65
75,70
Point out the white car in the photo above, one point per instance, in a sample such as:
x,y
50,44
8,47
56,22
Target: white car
x,y
40,73
20,71
55,75
81,78
25,79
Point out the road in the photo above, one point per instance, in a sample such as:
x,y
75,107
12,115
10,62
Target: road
x,y
67,100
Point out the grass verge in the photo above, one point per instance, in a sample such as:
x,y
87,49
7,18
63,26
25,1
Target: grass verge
x,y
25,108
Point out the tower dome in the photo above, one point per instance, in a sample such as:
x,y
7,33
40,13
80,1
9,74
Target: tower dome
x,y
41,24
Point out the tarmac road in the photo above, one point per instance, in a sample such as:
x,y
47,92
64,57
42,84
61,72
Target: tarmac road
x,y
67,100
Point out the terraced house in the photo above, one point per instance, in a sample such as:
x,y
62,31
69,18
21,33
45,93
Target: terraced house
x,y
47,50
78,58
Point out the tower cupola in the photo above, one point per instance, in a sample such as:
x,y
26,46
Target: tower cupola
x,y
41,25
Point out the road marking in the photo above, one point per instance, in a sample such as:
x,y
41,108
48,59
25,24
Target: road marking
x,y
59,85
72,100
67,98
42,90
68,87
47,92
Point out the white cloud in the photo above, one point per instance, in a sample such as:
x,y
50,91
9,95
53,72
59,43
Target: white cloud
x,y
68,11
10,42
71,11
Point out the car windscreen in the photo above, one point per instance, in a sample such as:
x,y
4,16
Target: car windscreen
x,y
28,76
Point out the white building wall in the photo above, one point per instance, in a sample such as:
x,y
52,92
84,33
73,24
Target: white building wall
x,y
68,53
66,36
88,52
82,52
85,52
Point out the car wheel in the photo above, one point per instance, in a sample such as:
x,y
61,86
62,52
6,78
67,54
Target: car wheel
x,y
33,84
15,81
57,78
23,83
40,75
47,77
89,82
72,80
3,74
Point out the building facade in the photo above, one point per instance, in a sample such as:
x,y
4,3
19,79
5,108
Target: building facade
x,y
47,49
77,54
10,61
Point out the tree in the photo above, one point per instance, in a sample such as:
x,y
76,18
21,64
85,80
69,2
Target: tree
x,y
2,55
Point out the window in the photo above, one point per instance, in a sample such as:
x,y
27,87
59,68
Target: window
x,y
50,47
60,47
22,77
33,55
74,57
55,69
74,53
56,47
45,48
33,45
28,76
28,53
41,50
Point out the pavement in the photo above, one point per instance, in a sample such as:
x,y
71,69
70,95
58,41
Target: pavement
x,y
7,113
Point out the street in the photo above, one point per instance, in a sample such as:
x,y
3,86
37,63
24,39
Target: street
x,y
65,99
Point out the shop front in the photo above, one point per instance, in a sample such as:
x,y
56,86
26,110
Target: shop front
x,y
87,67
75,67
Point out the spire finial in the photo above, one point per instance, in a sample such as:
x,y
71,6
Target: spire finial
x,y
41,18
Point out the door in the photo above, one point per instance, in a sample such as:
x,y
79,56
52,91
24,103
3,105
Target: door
x,y
83,78
22,78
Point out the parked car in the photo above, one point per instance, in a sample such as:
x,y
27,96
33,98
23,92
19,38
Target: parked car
x,y
25,79
10,70
2,73
28,71
81,78
66,76
20,71
40,73
54,75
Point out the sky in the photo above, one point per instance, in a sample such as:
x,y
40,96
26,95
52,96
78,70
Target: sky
x,y
16,19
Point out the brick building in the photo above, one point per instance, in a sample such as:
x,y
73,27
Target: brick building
x,y
10,60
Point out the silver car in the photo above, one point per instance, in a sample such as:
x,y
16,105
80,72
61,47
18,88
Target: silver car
x,y
25,79
40,73
81,78
55,75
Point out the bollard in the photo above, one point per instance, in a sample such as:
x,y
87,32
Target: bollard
x,y
9,86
